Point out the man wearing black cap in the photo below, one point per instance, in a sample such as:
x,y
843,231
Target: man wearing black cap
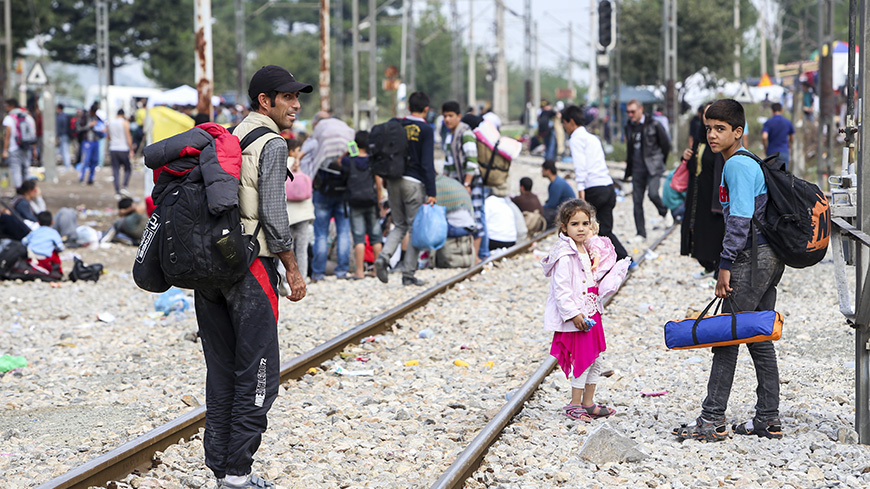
x,y
239,324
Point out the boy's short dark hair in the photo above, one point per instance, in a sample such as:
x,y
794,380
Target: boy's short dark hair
x,y
361,138
526,184
292,144
125,203
573,113
727,110
777,107
418,101
44,218
451,106
550,165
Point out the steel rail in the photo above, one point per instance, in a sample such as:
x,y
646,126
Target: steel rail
x,y
470,459
138,453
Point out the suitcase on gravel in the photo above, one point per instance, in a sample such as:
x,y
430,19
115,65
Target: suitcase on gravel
x,y
723,329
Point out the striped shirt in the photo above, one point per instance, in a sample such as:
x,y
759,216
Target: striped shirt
x,y
469,151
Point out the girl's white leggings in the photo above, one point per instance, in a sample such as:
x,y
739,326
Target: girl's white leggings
x,y
589,376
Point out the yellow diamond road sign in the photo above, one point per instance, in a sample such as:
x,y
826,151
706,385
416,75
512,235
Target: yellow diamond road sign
x,y
37,75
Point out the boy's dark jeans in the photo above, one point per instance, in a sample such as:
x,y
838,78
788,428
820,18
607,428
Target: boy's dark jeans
x,y
746,297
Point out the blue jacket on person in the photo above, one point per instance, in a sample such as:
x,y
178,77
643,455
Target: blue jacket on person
x,y
559,191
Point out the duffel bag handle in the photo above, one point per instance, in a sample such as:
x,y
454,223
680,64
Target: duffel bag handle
x,y
715,311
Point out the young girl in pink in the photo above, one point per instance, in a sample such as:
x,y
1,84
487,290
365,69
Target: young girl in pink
x,y
583,271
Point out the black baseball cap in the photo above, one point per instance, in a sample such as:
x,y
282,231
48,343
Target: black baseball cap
x,y
274,78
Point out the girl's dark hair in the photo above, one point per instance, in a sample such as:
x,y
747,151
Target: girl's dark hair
x,y
26,186
293,144
729,111
570,207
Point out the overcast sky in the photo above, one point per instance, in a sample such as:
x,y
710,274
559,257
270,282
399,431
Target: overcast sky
x,y
552,17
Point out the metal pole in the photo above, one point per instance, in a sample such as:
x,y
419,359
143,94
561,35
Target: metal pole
x,y
472,59
241,83
862,333
204,71
571,63
669,25
500,95
763,40
412,48
338,94
593,63
536,91
7,42
737,40
49,134
373,63
527,20
403,61
456,53
354,21
324,55
102,11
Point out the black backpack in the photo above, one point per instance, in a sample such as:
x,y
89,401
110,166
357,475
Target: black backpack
x,y
361,191
388,149
797,221
84,272
185,245
10,252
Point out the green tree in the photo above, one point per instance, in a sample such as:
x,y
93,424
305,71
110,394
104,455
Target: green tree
x,y
705,37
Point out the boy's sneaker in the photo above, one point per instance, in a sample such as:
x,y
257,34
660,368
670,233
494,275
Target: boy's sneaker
x,y
252,482
763,429
702,274
702,430
413,281
668,220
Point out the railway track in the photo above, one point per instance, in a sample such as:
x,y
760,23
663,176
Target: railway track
x,y
138,453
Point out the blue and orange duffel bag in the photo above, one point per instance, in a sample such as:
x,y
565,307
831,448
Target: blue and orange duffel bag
x,y
723,329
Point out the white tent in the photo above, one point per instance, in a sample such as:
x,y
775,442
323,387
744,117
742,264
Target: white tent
x,y
183,95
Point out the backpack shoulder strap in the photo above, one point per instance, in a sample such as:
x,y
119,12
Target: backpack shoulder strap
x,y
743,152
254,135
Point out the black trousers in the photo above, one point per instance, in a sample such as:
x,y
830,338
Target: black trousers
x,y
643,182
603,198
238,326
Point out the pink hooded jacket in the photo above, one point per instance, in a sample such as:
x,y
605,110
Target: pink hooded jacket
x,y
569,283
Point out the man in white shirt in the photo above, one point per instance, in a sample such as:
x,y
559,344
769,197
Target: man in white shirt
x,y
18,158
594,184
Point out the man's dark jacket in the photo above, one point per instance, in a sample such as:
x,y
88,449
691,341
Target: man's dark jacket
x,y
654,143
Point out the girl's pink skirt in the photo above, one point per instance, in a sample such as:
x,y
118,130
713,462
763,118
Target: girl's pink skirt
x,y
576,350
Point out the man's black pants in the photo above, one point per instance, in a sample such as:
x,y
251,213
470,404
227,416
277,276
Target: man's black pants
x,y
238,326
643,182
603,198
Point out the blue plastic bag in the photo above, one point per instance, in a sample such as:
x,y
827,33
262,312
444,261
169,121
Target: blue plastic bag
x,y
430,228
172,300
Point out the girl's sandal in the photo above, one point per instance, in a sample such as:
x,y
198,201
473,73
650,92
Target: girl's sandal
x,y
576,411
598,411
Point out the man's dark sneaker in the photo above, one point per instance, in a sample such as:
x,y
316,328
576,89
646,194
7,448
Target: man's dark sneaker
x,y
253,482
764,429
381,265
702,430
412,281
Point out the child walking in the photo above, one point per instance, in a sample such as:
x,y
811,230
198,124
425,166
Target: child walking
x,y
583,270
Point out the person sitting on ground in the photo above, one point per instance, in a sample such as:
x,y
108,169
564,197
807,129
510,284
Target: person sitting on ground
x,y
131,222
364,190
559,191
504,222
455,199
527,201
44,243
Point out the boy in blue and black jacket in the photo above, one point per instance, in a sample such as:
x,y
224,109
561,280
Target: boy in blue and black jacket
x,y
743,195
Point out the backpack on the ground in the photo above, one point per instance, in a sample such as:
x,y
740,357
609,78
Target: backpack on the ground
x,y
186,245
388,149
361,191
29,270
25,133
797,221
84,272
10,252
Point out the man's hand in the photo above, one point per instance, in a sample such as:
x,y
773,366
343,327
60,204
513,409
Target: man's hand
x,y
5,154
723,285
297,285
430,200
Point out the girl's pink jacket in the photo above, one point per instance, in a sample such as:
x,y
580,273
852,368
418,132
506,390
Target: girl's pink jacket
x,y
568,283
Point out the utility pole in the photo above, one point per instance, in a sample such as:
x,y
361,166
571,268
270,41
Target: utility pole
x,y
403,50
370,105
763,40
826,127
412,45
102,9
338,86
204,68
669,26
324,55
571,61
527,18
737,40
241,83
7,45
472,59
500,88
536,91
373,63
456,54
592,93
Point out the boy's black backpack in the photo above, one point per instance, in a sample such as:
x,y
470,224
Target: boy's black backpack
x,y
388,149
185,245
329,179
25,134
84,272
797,221
361,190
